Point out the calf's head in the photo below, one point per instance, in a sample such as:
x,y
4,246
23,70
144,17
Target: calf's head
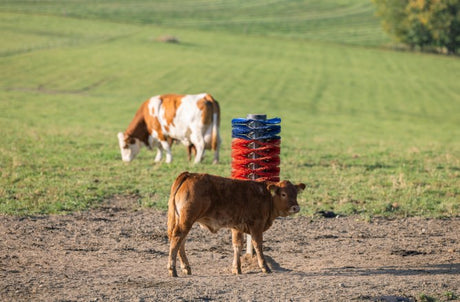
x,y
284,195
129,147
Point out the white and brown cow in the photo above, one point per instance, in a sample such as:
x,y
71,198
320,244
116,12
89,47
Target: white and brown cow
x,y
215,202
193,120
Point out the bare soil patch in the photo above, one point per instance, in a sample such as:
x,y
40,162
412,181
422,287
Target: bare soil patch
x,y
118,252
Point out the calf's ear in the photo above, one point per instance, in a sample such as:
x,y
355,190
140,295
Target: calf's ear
x,y
273,189
300,187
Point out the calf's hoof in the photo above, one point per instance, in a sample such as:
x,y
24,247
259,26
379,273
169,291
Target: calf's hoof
x,y
187,270
266,270
236,271
173,272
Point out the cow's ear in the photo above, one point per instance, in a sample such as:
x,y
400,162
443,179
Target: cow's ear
x,y
121,140
273,188
300,187
121,137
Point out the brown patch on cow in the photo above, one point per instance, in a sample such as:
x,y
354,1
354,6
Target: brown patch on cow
x,y
156,125
205,107
170,103
137,128
152,124
210,110
209,106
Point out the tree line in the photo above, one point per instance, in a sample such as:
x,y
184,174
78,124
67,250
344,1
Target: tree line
x,y
422,24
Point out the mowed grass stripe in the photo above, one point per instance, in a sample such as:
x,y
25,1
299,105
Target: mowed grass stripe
x,y
30,34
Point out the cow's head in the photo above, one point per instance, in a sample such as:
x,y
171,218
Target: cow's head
x,y
129,147
285,196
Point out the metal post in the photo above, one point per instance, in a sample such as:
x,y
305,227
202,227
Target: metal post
x,y
260,117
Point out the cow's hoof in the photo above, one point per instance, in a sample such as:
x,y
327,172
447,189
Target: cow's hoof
x,y
236,271
187,270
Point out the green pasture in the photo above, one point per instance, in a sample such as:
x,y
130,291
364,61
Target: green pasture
x,y
338,21
369,130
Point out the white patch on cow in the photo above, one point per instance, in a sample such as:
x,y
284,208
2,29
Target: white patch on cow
x,y
187,117
188,124
154,105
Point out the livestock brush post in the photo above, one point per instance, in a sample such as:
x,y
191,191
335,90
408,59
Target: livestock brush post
x,y
255,151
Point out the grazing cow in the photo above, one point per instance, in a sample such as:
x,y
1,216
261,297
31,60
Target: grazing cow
x,y
193,120
216,202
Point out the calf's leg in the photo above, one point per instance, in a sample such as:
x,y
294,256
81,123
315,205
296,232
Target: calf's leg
x,y
184,264
237,240
257,242
176,240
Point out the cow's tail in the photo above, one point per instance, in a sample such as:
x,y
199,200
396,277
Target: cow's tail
x,y
215,125
172,211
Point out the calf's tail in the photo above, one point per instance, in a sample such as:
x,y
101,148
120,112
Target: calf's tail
x,y
172,212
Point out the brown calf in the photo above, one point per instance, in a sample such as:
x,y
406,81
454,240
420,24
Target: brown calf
x,y
216,202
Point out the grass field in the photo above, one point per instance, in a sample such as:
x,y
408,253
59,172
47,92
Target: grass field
x,y
369,130
338,21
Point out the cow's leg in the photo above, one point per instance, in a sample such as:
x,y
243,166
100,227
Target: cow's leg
x,y
199,143
177,238
216,157
216,151
159,154
199,154
257,242
191,150
184,264
237,240
167,147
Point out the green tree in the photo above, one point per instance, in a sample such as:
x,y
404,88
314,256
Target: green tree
x,y
422,23
445,24
417,23
393,14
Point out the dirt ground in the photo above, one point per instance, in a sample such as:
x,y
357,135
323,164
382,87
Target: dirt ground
x,y
119,253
